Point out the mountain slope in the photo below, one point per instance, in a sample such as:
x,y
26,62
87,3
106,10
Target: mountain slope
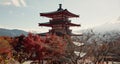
x,y
113,25
12,33
107,28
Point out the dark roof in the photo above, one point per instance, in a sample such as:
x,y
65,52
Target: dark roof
x,y
59,34
48,24
60,11
65,12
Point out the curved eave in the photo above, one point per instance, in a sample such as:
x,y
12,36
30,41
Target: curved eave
x,y
63,12
49,25
70,14
72,24
44,24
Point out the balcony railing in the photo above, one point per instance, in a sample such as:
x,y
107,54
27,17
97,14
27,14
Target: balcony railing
x,y
59,20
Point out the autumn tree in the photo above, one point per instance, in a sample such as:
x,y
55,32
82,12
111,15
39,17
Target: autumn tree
x,y
5,50
33,47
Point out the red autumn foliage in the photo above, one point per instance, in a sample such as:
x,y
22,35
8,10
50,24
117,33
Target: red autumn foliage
x,y
32,47
42,48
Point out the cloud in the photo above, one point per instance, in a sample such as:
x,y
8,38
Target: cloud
x,y
19,3
23,3
16,3
6,3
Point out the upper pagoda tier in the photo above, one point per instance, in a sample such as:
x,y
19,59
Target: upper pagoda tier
x,y
60,13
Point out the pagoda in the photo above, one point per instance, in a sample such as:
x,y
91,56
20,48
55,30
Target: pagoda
x,y
59,22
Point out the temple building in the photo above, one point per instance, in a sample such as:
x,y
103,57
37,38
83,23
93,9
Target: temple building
x,y
59,22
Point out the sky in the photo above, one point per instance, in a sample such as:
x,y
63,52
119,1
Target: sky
x,y
24,14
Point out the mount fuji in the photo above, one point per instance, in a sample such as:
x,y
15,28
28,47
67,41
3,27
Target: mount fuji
x,y
113,25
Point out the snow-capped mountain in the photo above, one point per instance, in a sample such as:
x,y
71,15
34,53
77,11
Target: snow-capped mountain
x,y
107,28
12,33
110,27
113,25
105,33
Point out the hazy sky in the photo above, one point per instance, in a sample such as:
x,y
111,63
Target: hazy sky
x,y
24,14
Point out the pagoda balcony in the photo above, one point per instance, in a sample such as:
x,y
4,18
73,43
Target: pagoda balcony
x,y
55,30
68,31
59,20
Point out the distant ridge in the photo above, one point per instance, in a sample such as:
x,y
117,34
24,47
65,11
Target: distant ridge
x,y
12,33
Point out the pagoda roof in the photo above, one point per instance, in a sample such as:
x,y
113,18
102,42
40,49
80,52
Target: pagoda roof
x,y
59,12
48,24
58,33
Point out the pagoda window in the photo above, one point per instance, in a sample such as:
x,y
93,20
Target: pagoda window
x,y
60,17
57,27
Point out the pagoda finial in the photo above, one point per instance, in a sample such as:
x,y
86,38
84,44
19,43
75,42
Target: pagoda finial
x,y
60,7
